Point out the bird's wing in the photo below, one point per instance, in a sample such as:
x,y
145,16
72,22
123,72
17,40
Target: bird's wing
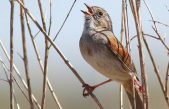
x,y
118,49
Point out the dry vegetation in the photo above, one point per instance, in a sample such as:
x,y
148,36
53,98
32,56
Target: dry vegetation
x,y
13,75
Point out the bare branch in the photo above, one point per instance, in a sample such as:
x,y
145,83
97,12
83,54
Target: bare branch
x,y
64,21
161,39
132,38
41,64
25,56
166,82
140,47
46,56
59,52
11,53
156,69
155,26
160,23
8,81
18,74
50,19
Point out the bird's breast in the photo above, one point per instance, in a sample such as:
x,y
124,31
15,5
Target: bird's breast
x,y
102,59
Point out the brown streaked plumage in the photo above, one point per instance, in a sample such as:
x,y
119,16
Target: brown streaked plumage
x,y
102,50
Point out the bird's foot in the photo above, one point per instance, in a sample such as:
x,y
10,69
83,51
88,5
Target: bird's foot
x,y
87,89
137,84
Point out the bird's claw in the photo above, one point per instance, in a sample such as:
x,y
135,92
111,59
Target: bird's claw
x,y
87,89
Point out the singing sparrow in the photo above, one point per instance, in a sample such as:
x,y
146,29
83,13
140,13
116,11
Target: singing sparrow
x,y
102,50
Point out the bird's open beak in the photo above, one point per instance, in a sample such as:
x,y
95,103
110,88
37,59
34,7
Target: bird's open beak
x,y
89,12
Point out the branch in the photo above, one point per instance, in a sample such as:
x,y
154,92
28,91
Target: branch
x,y
160,38
46,56
64,21
59,52
8,81
18,74
166,82
155,27
50,19
25,56
41,64
156,69
11,54
138,25
160,23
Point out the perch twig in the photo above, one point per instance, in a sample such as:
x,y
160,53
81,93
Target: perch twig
x,y
59,52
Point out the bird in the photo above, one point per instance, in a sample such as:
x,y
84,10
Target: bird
x,y
103,51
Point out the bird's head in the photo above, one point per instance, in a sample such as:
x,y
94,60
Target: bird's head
x,y
97,18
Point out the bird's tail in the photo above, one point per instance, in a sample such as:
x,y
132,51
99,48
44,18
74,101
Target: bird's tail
x,y
134,98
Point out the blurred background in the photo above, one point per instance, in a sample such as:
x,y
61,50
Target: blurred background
x,y
66,86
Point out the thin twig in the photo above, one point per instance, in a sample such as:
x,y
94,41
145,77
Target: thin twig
x,y
132,38
36,34
140,47
11,53
4,80
18,74
25,55
50,19
41,65
5,70
16,101
155,69
145,35
160,23
64,21
128,46
8,81
59,52
155,26
126,25
46,56
121,40
161,39
121,97
166,82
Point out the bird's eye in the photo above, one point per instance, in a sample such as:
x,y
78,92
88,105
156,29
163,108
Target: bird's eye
x,y
100,13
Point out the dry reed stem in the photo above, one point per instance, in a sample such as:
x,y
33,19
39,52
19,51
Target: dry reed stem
x,y
17,83
11,53
166,82
46,56
8,80
59,52
25,57
161,39
17,104
149,35
41,65
156,70
160,23
50,17
126,25
18,74
128,45
155,26
64,21
121,40
121,97
140,47
127,38
151,57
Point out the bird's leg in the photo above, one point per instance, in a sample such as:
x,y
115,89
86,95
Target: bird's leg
x,y
89,89
137,84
